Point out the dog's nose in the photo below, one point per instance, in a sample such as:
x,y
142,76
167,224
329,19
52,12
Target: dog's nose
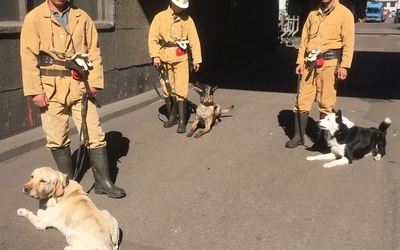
x,y
27,188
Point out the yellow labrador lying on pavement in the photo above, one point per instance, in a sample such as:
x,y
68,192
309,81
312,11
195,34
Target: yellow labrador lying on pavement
x,y
64,205
207,111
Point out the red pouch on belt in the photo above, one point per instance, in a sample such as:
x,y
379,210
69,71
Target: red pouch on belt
x,y
180,52
320,62
76,75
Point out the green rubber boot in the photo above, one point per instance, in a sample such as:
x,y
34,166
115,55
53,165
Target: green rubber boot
x,y
172,110
63,159
181,117
103,185
296,140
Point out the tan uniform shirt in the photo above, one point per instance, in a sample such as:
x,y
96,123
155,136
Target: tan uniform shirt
x,y
41,33
332,31
173,28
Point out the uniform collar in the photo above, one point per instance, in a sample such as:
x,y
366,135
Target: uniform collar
x,y
65,11
329,10
174,16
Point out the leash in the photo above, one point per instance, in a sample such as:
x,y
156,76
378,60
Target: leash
x,y
84,132
298,109
83,135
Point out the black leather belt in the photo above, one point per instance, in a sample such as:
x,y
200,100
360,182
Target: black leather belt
x,y
46,60
331,54
55,72
163,43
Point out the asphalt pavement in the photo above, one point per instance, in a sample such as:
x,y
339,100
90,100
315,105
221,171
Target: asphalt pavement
x,y
236,187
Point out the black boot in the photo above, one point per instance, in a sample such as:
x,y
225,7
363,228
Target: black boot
x,y
170,103
103,185
296,140
63,159
320,143
181,117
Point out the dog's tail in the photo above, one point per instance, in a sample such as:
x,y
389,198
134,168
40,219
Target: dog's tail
x,y
385,125
226,110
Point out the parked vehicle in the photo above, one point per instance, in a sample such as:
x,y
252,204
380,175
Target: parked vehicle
x,y
375,12
397,15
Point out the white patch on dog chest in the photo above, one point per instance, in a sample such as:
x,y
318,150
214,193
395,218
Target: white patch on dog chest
x,y
336,148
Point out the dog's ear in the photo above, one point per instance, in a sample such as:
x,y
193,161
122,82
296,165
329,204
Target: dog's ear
x,y
339,116
214,88
60,182
198,90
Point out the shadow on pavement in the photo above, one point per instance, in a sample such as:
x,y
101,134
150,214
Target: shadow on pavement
x,y
286,122
117,147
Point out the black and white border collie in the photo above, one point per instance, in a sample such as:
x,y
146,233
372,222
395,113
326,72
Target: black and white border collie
x,y
348,142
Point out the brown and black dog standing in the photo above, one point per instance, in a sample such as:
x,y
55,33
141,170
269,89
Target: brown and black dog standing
x,y
207,111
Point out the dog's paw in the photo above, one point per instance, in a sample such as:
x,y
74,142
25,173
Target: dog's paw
x,y
377,157
197,136
41,226
22,212
189,134
310,158
329,165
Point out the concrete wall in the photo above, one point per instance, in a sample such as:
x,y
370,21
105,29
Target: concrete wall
x,y
229,31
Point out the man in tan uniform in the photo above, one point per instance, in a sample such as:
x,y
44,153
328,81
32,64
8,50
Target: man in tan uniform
x,y
172,37
51,34
325,55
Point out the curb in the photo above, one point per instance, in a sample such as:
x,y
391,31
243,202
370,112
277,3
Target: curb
x,y
24,142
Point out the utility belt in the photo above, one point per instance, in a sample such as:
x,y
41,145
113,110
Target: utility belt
x,y
331,54
77,68
166,44
46,60
72,69
182,48
55,72
316,59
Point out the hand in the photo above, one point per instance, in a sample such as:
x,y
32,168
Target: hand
x,y
300,69
82,60
196,67
342,74
40,100
156,61
93,90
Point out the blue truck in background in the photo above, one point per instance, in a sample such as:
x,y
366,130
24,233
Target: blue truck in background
x,y
375,12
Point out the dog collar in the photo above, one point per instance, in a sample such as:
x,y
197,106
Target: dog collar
x,y
207,103
66,181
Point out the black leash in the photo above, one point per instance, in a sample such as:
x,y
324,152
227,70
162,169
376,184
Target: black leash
x,y
84,132
83,135
298,109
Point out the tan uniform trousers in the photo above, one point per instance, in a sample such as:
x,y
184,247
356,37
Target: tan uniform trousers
x,y
178,76
55,123
320,83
